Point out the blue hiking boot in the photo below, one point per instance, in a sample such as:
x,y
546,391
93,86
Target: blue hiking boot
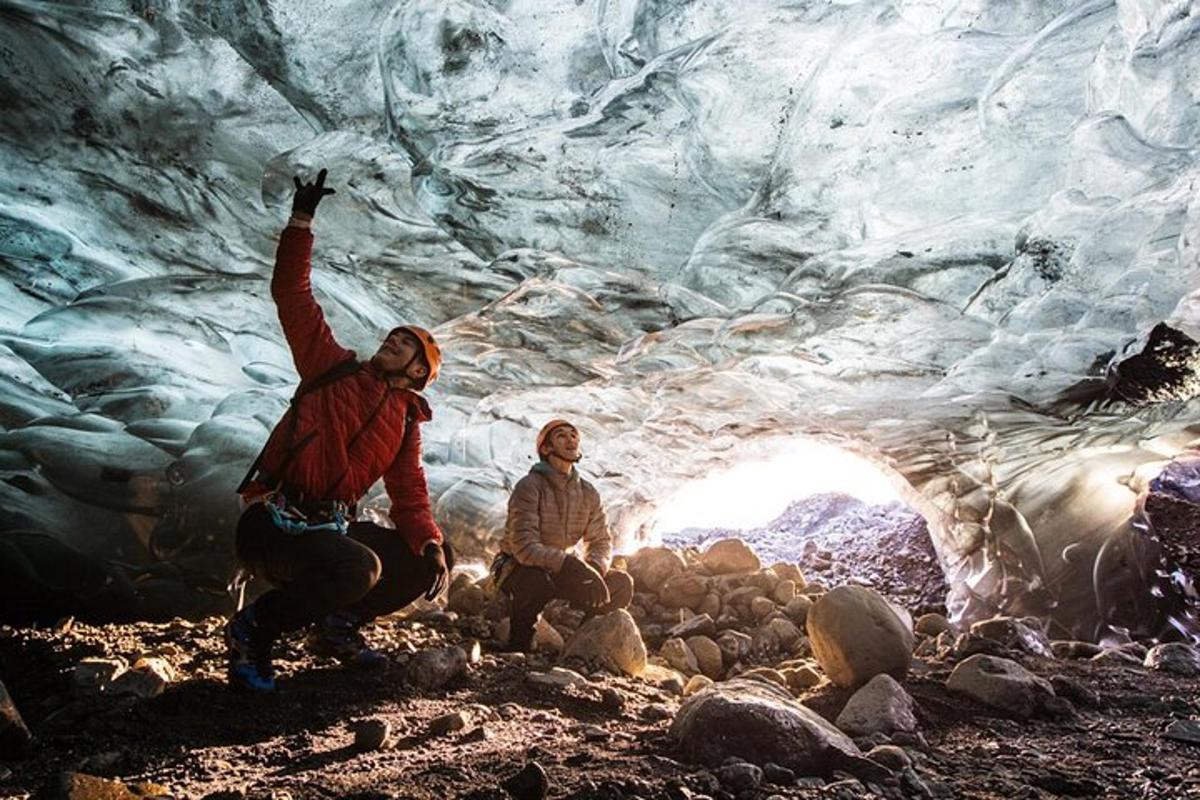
x,y
250,664
338,636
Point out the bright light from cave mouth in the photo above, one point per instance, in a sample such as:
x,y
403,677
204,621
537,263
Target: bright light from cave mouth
x,y
753,493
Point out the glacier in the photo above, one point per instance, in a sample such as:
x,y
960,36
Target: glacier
x,y
927,232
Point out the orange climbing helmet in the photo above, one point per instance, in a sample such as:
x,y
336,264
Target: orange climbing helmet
x,y
549,428
429,348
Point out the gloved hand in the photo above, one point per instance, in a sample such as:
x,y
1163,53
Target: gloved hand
x,y
435,557
309,194
585,582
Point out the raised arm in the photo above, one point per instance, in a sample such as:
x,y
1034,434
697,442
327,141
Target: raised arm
x,y
314,349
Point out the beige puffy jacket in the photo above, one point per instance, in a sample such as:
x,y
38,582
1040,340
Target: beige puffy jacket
x,y
549,513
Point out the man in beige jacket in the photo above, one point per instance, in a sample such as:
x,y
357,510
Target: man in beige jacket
x,y
552,509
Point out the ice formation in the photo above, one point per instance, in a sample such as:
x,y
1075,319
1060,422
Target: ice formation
x,y
921,230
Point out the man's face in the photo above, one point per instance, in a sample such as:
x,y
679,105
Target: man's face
x,y
564,443
398,350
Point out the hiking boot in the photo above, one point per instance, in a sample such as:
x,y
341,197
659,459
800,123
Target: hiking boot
x,y
249,653
338,636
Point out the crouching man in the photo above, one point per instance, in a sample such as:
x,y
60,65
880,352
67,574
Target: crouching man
x,y
350,423
551,510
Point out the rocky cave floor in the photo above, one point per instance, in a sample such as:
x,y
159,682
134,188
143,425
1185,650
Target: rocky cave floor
x,y
605,736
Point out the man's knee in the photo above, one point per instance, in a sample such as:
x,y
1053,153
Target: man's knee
x,y
356,574
531,586
620,588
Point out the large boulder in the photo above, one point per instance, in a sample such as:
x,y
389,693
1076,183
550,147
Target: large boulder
x,y
882,706
728,557
758,722
856,635
611,641
652,566
1002,684
1174,657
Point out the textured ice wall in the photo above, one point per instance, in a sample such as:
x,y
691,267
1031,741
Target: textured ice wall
x,y
696,227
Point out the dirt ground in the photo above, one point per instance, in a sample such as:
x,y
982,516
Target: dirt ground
x,y
199,739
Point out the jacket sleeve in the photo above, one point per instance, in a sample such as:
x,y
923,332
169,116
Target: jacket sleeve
x,y
597,541
524,530
314,349
411,511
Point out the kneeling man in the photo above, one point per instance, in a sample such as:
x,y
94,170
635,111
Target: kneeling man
x,y
551,510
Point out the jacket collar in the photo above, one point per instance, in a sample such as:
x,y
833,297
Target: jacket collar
x,y
417,404
543,468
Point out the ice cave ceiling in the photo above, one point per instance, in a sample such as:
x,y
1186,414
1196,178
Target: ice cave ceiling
x,y
927,231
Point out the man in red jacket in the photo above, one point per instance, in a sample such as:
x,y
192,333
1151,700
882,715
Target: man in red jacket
x,y
350,423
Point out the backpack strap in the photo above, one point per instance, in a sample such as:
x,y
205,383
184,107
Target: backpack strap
x,y
342,369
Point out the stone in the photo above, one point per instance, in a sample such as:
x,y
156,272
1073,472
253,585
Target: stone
x,y
1001,684
780,776
531,783
785,632
932,625
1014,634
740,777
80,786
651,567
735,646
434,668
450,723
889,755
1122,654
94,675
16,742
695,684
466,597
709,658
766,674
797,609
1176,658
148,678
800,678
856,635
1183,730
698,625
761,607
556,678
613,641
546,638
1074,650
1075,691
880,706
685,590
729,557
710,606
679,656
664,678
784,592
760,723
370,734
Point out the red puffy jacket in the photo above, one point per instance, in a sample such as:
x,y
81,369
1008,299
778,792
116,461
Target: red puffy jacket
x,y
352,429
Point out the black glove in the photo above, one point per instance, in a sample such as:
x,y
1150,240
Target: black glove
x,y
434,556
309,194
584,583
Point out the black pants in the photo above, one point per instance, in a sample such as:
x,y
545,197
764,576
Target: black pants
x,y
531,588
369,571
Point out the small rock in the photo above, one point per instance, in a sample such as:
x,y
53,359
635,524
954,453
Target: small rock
x,y
94,675
785,632
664,678
780,776
15,740
655,712
465,596
889,755
699,625
740,777
1075,691
370,734
651,567
696,684
709,658
531,783
784,593
880,706
685,590
148,678
449,723
1072,649
594,733
729,556
766,674
1176,658
433,669
856,635
557,678
797,609
546,638
613,641
1184,730
799,678
735,646
1014,634
1122,654
1001,683
79,786
612,699
932,625
761,607
679,656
